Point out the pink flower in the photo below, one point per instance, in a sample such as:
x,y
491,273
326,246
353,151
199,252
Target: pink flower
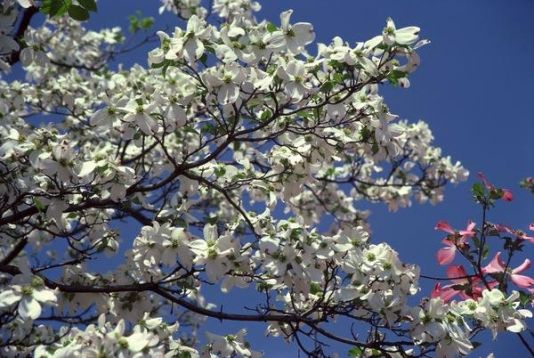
x,y
497,265
458,276
446,293
506,193
485,180
503,228
520,234
444,226
446,254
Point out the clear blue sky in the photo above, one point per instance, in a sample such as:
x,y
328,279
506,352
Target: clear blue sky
x,y
475,88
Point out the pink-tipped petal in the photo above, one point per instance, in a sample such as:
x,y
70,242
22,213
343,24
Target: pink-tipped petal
x,y
502,228
493,284
444,226
447,293
436,291
507,195
485,180
457,273
524,236
468,232
522,281
446,255
525,265
531,227
496,265
447,241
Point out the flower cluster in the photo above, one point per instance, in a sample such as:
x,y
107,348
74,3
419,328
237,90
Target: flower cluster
x,y
237,160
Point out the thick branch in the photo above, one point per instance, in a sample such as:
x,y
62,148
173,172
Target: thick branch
x,y
23,25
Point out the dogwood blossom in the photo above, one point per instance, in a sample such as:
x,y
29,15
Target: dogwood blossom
x,y
236,160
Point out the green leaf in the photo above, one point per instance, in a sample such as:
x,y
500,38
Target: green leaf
x,y
524,298
496,193
478,190
89,5
375,148
55,7
315,288
39,205
78,13
355,352
271,27
266,115
338,78
365,134
327,86
204,59
184,354
394,76
219,171
146,23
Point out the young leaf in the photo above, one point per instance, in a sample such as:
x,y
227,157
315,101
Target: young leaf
x,y
55,7
78,13
271,27
89,5
355,352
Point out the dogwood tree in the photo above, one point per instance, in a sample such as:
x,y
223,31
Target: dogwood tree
x,y
239,156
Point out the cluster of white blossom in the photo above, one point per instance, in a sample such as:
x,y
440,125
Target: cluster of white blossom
x,y
226,155
151,337
183,8
448,325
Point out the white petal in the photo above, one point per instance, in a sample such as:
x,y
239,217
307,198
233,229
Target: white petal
x,y
29,308
25,3
228,93
45,295
26,56
136,342
87,168
210,232
304,33
8,297
284,18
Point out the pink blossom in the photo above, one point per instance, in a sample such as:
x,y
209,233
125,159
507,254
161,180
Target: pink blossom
x,y
503,228
444,226
446,254
520,234
446,293
458,276
507,195
485,180
497,265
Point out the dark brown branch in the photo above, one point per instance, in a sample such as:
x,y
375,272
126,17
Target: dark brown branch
x,y
23,25
14,253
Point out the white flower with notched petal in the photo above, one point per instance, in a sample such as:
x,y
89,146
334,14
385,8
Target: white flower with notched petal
x,y
188,44
293,37
229,345
139,113
26,3
405,36
294,76
214,251
30,297
227,81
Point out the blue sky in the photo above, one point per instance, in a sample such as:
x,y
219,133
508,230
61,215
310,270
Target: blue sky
x,y
475,88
